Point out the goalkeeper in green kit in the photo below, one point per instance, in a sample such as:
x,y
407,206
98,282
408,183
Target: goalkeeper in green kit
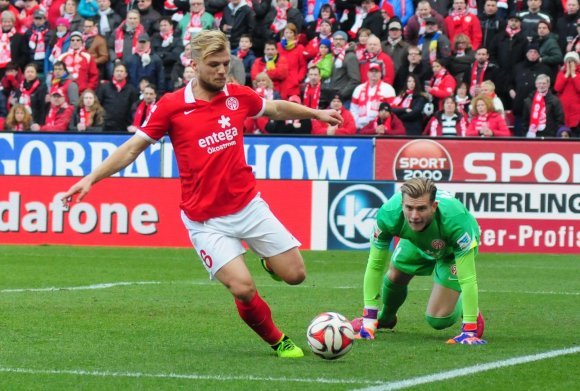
x,y
439,237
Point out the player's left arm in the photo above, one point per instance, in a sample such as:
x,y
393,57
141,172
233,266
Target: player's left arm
x,y
467,278
284,110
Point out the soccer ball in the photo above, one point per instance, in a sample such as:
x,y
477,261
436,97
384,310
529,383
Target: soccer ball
x,y
330,335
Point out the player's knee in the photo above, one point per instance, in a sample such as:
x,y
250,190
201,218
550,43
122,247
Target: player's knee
x,y
242,290
295,276
440,323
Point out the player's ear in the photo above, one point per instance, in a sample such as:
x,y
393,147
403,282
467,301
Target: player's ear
x,y
435,204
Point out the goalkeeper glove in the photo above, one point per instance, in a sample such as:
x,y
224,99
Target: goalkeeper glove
x,y
468,336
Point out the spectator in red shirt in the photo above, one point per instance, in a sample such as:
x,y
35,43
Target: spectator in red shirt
x,y
348,127
460,20
485,121
293,52
80,65
272,64
385,124
59,114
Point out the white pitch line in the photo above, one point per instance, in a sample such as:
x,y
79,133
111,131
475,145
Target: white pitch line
x,y
204,283
81,372
467,371
80,288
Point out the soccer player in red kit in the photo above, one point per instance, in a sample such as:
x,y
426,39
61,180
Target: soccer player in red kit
x,y
220,205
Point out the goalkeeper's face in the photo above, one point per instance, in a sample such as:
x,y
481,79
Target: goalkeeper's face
x,y
418,211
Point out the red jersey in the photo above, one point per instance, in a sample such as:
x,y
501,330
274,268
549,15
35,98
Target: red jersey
x,y
207,138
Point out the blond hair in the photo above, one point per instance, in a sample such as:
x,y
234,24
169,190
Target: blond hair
x,y
489,84
263,76
207,43
418,187
11,118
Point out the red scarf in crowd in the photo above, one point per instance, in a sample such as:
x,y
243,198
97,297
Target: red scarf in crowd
x,y
404,101
511,32
365,97
242,53
91,33
73,61
311,96
185,60
266,93
538,113
37,44
141,113
18,127
166,38
26,93
85,117
476,81
5,52
436,79
479,121
52,114
119,84
120,38
57,48
281,19
194,26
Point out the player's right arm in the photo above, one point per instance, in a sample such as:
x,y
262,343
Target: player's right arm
x,y
119,159
379,253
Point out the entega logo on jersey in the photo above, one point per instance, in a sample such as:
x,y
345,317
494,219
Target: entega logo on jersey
x,y
215,141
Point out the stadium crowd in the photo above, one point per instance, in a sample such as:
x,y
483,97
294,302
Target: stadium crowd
x,y
488,68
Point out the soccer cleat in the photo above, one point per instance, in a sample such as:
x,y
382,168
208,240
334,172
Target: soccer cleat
x,y
365,333
466,339
274,276
468,336
287,349
480,325
358,322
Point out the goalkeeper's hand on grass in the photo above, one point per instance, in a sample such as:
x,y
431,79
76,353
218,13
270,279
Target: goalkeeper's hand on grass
x,y
468,336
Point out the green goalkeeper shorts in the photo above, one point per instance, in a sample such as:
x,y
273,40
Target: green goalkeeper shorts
x,y
409,259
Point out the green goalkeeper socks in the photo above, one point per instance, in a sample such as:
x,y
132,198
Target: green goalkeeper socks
x,y
393,296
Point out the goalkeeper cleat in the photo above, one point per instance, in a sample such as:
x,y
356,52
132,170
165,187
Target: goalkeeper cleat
x,y
365,333
480,325
358,322
467,339
468,336
274,276
287,349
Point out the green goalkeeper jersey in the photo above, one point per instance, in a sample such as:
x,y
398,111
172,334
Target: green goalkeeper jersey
x,y
452,233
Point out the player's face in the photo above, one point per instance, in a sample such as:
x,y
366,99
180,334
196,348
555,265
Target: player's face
x,y
418,211
213,70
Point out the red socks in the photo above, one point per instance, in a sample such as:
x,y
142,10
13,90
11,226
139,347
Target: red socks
x,y
258,316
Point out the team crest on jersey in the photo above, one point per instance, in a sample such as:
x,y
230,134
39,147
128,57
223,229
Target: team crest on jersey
x,y
453,270
232,103
464,241
437,244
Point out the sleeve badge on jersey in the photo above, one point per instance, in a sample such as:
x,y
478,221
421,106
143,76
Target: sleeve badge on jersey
x,y
464,241
376,232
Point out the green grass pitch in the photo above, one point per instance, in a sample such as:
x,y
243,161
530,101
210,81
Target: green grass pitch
x,y
93,318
